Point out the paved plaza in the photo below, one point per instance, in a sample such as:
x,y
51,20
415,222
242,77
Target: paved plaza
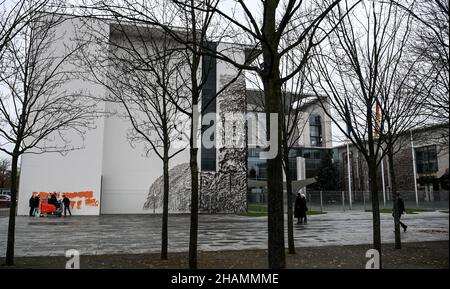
x,y
121,234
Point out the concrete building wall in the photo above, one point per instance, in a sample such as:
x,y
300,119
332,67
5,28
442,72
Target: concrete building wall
x,y
127,171
79,172
129,167
304,126
109,175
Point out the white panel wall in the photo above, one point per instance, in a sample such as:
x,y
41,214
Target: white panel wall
x,y
78,171
225,72
127,172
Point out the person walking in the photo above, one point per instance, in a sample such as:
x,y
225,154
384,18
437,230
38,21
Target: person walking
x,y
66,202
304,208
401,211
300,208
297,208
32,205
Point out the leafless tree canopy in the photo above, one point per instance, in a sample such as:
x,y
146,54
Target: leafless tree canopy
x,y
14,16
430,43
40,108
364,70
188,27
143,73
37,110
383,66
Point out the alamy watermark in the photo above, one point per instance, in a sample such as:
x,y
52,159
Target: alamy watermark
x,y
232,130
374,261
73,261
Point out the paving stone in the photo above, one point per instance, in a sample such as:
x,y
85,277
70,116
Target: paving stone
x,y
113,234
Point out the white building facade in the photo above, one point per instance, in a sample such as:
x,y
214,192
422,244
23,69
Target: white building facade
x,y
109,175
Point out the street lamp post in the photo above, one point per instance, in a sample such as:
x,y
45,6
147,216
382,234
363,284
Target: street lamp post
x,y
349,178
414,169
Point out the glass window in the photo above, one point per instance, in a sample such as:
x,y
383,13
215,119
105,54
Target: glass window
x,y
306,154
426,159
256,167
315,130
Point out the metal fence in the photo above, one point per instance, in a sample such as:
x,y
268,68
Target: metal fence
x,y
361,200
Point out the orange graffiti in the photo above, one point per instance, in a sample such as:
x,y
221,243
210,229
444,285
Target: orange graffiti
x,y
46,195
88,197
87,194
91,202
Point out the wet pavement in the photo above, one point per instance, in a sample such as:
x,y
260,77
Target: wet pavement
x,y
120,234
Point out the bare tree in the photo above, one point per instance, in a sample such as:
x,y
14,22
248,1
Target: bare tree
x,y
191,30
142,74
294,97
359,70
37,110
15,16
263,27
430,43
267,29
402,98
294,120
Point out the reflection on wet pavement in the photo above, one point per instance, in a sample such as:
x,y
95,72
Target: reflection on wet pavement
x,y
109,234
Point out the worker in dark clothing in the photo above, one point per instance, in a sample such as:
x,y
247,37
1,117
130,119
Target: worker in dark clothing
x,y
53,200
32,206
66,202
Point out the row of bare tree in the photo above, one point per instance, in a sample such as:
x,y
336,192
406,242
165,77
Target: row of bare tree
x,y
355,57
38,112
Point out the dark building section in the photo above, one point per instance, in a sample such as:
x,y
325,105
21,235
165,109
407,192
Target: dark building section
x,y
257,168
427,166
209,70
313,158
223,179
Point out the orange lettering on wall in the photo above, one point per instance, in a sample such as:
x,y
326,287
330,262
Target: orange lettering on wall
x,y
88,197
87,194
91,202
44,195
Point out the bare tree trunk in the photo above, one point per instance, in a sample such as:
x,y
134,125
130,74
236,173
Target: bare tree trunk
x,y
165,216
194,203
12,212
398,242
290,217
375,206
275,208
272,92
